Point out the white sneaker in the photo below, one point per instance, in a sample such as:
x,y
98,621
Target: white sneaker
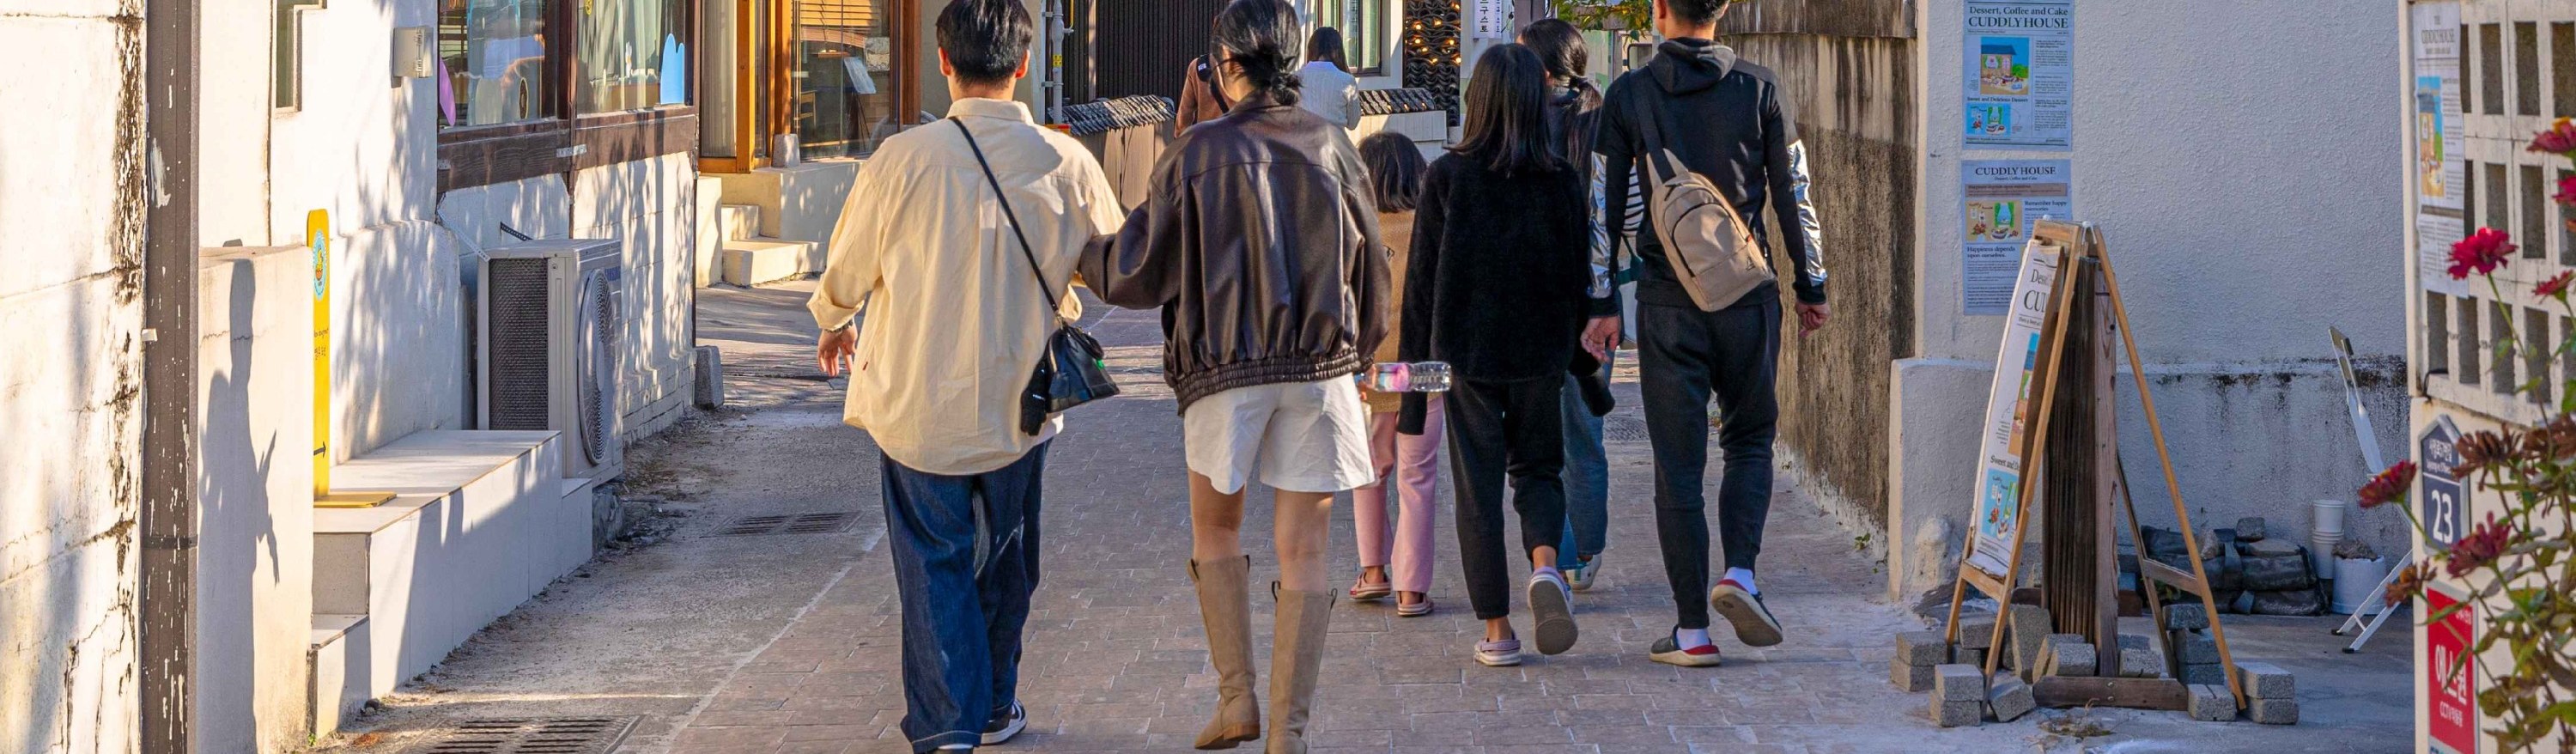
x,y
1552,605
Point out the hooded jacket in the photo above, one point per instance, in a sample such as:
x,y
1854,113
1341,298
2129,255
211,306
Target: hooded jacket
x,y
1260,244
1733,126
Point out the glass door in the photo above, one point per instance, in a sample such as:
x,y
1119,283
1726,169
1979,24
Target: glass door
x,y
851,81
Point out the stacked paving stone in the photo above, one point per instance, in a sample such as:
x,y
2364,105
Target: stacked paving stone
x,y
1963,695
2249,571
2271,693
2195,650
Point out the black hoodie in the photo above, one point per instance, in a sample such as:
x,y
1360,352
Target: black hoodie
x,y
1730,124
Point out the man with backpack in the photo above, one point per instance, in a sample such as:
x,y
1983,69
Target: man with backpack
x,y
1713,138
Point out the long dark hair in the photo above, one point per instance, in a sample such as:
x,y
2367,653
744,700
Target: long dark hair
x,y
1395,168
1260,38
1574,119
1506,121
1326,45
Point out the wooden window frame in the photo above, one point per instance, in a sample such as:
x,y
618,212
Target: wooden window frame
x,y
765,106
472,156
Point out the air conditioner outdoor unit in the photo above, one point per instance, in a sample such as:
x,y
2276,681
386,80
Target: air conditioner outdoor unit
x,y
547,355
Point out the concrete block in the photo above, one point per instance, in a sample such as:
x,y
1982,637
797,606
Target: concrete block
x,y
1976,633
2136,641
1958,683
2211,674
2274,711
1968,656
2268,548
2249,529
2276,573
2009,697
756,262
2187,616
2265,680
2197,649
1922,648
2211,703
2141,663
2073,658
1957,714
709,390
2030,629
1909,678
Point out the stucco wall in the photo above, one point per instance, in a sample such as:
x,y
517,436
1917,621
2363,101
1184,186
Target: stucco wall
x,y
2215,148
1849,87
72,205
255,502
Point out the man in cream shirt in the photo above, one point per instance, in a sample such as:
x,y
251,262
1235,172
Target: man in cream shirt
x,y
956,319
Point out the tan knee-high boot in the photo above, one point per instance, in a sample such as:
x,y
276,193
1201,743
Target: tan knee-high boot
x,y
1225,607
1296,658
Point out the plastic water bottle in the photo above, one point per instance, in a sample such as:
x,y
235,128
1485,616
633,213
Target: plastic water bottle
x,y
1399,377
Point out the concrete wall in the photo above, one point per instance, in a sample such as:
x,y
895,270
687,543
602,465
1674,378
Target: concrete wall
x,y
71,319
1847,73
255,540
2213,144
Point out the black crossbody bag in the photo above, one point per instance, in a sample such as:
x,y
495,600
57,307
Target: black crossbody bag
x,y
1072,371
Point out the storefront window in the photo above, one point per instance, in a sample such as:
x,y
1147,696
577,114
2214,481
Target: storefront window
x,y
846,76
633,54
1363,24
494,56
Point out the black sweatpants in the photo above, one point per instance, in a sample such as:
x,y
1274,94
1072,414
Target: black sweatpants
x,y
1683,355
1499,429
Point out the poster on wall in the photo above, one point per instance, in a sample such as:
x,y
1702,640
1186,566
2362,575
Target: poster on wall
x,y
1489,19
2439,171
2002,198
2450,686
1999,464
2021,74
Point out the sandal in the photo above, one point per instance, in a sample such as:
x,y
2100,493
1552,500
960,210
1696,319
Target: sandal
x,y
1367,592
1413,609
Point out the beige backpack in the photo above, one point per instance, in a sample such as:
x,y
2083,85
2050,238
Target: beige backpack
x,y
1710,247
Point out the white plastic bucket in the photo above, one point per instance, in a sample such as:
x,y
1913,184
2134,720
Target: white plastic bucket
x,y
2329,517
2354,580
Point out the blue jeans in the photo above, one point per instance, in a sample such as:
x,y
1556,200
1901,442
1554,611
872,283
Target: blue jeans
x,y
1587,478
965,562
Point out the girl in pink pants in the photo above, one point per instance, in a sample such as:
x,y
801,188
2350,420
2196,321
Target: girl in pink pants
x,y
1396,560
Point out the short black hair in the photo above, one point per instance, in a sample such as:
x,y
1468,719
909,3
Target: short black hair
x,y
1260,38
1696,11
1506,121
986,40
1395,169
1326,45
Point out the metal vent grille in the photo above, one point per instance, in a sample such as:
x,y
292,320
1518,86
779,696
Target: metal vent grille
x,y
598,393
561,735
1623,428
801,523
517,328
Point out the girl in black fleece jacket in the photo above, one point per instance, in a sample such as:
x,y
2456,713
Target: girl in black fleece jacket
x,y
1496,286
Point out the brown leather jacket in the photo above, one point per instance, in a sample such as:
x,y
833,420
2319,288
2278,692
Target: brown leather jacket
x,y
1260,243
1200,101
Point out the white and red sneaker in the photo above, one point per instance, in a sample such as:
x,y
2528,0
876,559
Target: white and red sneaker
x,y
1741,607
1670,652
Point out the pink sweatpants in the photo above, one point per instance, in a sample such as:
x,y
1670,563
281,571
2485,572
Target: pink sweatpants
x,y
1413,464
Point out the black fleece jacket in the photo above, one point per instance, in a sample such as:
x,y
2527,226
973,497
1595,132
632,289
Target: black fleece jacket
x,y
1728,121
1498,278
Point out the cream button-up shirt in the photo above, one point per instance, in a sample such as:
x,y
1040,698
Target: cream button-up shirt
x,y
955,318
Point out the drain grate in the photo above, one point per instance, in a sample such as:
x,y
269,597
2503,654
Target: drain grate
x,y
800,523
1623,428
526,735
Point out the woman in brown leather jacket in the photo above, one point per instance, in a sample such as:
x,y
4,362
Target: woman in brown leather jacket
x,y
1260,243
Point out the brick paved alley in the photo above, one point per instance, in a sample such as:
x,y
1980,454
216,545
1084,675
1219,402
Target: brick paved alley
x,y
786,643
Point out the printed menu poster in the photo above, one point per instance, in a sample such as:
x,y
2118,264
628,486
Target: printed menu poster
x,y
2007,412
2003,199
2439,172
2021,74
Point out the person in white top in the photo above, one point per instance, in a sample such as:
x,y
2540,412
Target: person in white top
x,y
957,315
1328,88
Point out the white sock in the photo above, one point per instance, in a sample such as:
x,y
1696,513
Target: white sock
x,y
1690,637
1744,577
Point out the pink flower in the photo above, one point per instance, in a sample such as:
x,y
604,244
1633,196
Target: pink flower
x,y
2559,139
2390,486
2482,252
2566,190
2555,287
2482,546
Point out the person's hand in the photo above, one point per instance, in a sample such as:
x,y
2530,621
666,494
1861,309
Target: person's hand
x,y
835,348
1811,317
1601,337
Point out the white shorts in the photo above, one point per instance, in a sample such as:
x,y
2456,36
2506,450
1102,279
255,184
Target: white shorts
x,y
1294,436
